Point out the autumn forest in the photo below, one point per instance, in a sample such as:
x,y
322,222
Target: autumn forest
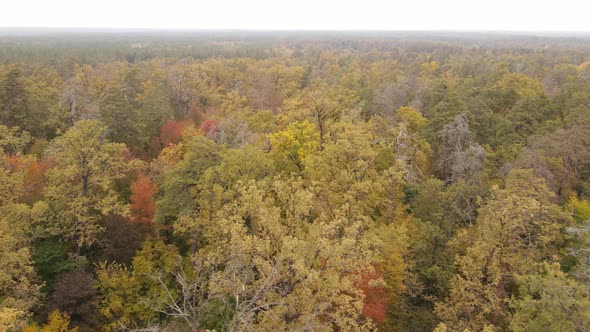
x,y
234,181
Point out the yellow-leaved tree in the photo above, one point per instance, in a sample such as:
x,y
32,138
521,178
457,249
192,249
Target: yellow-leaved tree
x,y
81,188
518,225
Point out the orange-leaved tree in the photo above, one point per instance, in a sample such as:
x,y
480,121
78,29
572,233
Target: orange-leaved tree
x,y
143,205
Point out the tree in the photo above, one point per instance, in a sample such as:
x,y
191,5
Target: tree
x,y
274,280
171,133
579,245
120,298
58,322
13,98
323,108
19,287
77,97
376,298
179,185
209,127
460,157
261,263
75,295
460,163
518,225
216,186
548,300
123,238
35,179
80,188
51,260
580,208
152,286
19,284
155,109
231,132
119,115
432,258
562,157
357,181
404,138
13,140
293,144
143,205
449,106
46,115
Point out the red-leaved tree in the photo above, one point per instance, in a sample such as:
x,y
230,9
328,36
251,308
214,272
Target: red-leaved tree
x,y
209,127
376,295
171,132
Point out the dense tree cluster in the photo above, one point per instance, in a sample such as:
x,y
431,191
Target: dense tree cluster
x,y
321,184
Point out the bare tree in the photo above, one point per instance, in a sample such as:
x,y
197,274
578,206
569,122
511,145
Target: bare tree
x,y
461,157
76,97
184,298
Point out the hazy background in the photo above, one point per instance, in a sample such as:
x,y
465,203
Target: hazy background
x,y
499,15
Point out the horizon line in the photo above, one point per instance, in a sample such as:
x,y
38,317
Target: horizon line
x,y
198,29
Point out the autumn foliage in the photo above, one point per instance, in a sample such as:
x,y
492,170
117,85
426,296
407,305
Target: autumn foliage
x,y
376,296
34,179
33,174
143,204
305,183
209,127
171,132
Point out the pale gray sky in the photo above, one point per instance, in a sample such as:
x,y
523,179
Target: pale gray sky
x,y
512,15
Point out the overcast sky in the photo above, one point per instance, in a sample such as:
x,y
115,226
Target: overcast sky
x,y
511,15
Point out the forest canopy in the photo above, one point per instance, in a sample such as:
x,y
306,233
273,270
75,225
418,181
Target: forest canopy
x,y
283,181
